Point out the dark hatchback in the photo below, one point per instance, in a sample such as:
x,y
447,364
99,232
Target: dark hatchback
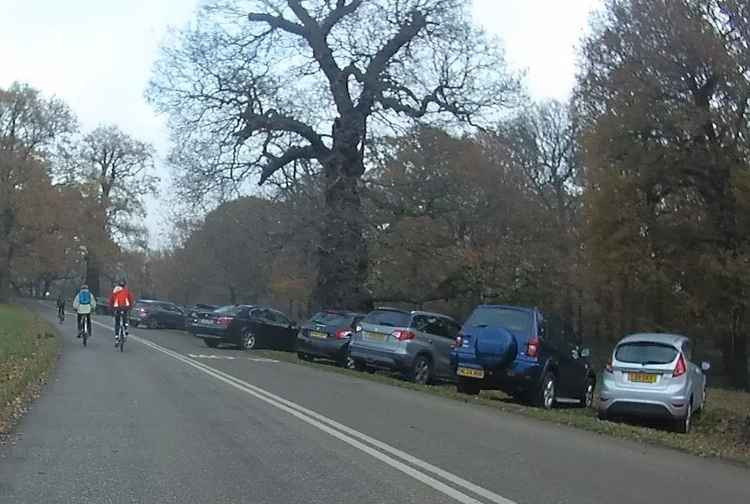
x,y
327,334
248,327
157,314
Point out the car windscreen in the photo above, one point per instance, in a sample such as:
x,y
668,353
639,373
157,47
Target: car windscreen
x,y
517,321
645,352
331,319
390,318
230,310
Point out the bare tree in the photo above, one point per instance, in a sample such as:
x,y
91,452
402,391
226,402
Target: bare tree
x,y
115,171
254,86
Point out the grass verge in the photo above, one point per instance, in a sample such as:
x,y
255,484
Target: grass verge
x,y
722,430
28,350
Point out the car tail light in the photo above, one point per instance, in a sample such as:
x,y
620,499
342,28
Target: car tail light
x,y
532,350
343,334
680,369
403,335
224,321
459,341
608,368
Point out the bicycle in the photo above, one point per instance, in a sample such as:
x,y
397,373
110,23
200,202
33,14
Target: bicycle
x,y
83,330
121,329
61,315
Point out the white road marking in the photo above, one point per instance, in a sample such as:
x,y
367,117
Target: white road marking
x,y
346,434
201,356
261,359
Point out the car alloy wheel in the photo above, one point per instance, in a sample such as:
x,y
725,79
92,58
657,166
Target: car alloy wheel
x,y
421,373
153,324
548,391
248,340
684,424
588,397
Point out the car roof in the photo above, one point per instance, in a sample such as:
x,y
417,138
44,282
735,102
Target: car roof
x,y
413,312
507,307
663,338
342,312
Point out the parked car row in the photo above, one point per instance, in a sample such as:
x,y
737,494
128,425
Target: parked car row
x,y
529,355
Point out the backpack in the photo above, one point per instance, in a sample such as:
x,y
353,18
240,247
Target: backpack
x,y
84,298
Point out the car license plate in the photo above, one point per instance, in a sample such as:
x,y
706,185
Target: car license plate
x,y
470,372
642,377
319,335
373,336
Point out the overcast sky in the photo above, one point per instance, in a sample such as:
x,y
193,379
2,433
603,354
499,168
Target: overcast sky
x,y
97,54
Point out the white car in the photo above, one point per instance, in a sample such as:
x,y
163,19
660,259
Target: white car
x,y
653,376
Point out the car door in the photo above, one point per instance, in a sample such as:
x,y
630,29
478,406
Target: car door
x,y
555,346
284,334
172,315
696,374
445,335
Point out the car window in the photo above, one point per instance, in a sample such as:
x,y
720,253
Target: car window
x,y
390,318
688,351
450,328
229,310
332,319
518,321
645,352
279,318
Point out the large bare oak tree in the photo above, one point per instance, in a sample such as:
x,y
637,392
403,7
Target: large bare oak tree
x,y
254,86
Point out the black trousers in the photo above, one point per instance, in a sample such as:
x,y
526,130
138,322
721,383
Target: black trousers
x,y
121,316
84,318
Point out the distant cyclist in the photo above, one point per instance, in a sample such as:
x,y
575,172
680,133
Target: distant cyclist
x,y
121,301
61,307
84,304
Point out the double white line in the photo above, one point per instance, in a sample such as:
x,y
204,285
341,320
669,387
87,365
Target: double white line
x,y
385,453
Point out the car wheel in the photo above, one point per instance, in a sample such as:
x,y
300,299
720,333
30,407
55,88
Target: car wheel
x,y
249,341
134,324
211,343
587,396
546,394
421,370
684,423
303,356
358,365
468,386
152,324
602,415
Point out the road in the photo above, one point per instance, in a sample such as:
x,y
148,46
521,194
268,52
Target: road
x,y
171,421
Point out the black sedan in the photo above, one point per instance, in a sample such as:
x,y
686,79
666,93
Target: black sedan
x,y
248,327
197,312
157,314
327,335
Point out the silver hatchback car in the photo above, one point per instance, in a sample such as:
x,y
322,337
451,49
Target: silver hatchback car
x,y
653,376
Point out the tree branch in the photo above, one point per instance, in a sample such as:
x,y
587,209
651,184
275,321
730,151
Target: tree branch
x,y
342,10
277,23
290,155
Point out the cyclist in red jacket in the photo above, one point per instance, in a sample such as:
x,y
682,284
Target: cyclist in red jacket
x,y
121,301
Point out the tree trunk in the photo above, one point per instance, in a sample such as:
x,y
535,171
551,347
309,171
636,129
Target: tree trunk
x,y
93,274
343,262
6,252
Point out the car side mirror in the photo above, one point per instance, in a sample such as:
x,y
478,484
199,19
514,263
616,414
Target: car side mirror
x,y
705,366
586,353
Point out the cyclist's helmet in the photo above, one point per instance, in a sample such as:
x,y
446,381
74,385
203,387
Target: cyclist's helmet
x,y
84,286
122,283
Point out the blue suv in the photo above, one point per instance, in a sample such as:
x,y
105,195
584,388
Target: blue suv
x,y
518,351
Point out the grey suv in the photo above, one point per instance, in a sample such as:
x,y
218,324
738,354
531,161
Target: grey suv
x,y
416,343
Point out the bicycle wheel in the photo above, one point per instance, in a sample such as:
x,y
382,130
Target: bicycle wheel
x,y
85,336
122,338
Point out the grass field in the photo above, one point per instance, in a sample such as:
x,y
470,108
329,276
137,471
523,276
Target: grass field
x,y
28,350
722,430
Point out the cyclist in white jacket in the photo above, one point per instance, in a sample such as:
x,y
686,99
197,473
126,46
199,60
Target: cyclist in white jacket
x,y
84,304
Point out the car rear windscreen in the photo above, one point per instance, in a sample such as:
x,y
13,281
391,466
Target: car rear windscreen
x,y
388,318
332,319
229,310
645,353
517,321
